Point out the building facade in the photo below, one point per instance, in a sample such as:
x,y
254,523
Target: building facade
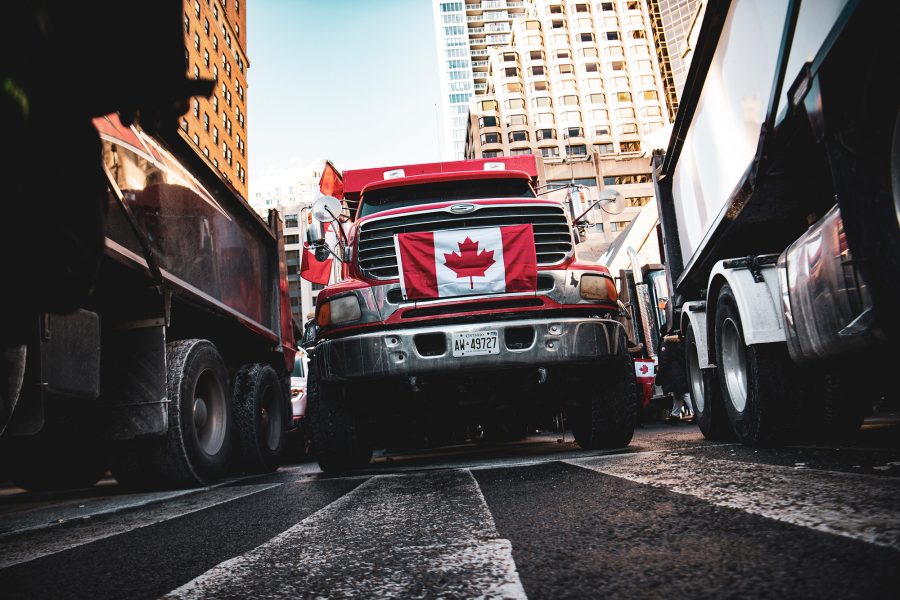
x,y
215,35
293,202
579,86
675,25
465,31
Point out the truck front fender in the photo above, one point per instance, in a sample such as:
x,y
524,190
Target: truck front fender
x,y
694,313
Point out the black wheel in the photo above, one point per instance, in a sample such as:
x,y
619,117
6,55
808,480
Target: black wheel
x,y
754,380
605,417
706,398
259,417
195,449
66,454
340,438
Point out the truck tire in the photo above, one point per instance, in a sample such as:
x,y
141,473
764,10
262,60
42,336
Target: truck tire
x,y
606,419
706,398
754,380
195,449
340,439
259,418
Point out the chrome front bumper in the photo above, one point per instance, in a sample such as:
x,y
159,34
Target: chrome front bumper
x,y
407,352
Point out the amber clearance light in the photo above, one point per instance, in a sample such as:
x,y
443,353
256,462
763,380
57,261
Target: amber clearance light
x,y
598,288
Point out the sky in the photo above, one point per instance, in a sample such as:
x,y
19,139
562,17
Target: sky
x,y
353,81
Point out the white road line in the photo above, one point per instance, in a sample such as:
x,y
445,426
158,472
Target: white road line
x,y
36,544
861,507
424,535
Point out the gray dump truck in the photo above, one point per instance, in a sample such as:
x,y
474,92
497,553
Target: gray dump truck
x,y
778,197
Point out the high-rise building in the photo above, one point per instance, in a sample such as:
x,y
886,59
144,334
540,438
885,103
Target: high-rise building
x,y
465,31
578,85
675,25
293,202
215,35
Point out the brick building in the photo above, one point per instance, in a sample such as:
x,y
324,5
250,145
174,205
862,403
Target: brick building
x,y
215,35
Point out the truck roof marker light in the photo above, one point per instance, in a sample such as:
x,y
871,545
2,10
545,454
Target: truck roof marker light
x,y
394,174
494,166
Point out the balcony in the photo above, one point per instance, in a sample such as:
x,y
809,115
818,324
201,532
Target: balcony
x,y
477,42
473,7
476,30
480,64
480,75
477,52
480,87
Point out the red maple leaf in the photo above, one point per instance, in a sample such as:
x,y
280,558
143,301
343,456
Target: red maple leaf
x,y
469,262
644,369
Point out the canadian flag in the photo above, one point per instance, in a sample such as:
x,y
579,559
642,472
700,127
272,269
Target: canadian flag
x,y
315,270
459,262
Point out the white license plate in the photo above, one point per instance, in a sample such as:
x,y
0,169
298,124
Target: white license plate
x,y
476,343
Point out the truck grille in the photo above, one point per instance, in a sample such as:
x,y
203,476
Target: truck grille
x,y
552,239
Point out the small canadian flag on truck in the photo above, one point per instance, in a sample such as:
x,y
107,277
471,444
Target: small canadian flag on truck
x,y
460,262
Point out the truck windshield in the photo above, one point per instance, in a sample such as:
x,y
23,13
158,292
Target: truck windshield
x,y
375,201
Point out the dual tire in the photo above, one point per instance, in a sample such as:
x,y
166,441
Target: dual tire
x,y
212,425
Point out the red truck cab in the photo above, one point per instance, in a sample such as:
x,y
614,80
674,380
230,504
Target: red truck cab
x,y
385,362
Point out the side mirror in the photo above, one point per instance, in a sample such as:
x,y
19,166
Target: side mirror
x,y
326,209
315,233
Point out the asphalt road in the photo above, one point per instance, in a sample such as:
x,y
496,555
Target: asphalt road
x,y
671,516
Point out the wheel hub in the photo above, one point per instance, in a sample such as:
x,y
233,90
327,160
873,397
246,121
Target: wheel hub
x,y
200,413
734,364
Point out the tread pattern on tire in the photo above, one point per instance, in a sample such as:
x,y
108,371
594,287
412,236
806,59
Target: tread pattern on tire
x,y
608,419
339,444
250,383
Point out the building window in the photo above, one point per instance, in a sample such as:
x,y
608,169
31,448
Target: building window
x,y
492,153
595,99
206,26
197,41
544,118
536,55
546,134
536,70
490,138
618,225
628,129
206,58
515,103
215,11
215,103
196,72
206,151
630,146
604,148
550,152
196,139
187,23
564,69
638,201
518,136
557,24
601,131
588,52
215,43
637,34
488,105
651,111
519,151
649,94
539,86
541,101
184,125
517,120
196,106
206,121
197,8
607,7
571,132
569,100
533,25
487,122
625,113
582,8
511,72
589,37
216,135
571,116
623,96
612,35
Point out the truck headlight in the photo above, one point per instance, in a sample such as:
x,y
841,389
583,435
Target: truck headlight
x,y
338,311
598,288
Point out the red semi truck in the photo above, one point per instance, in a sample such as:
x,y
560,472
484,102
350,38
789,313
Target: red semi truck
x,y
462,305
176,370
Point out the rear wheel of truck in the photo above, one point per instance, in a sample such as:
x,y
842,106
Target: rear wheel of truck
x,y
754,380
195,449
340,437
259,417
605,416
706,399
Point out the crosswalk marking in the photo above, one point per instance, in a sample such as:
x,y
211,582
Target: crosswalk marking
x,y
23,548
861,507
395,536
